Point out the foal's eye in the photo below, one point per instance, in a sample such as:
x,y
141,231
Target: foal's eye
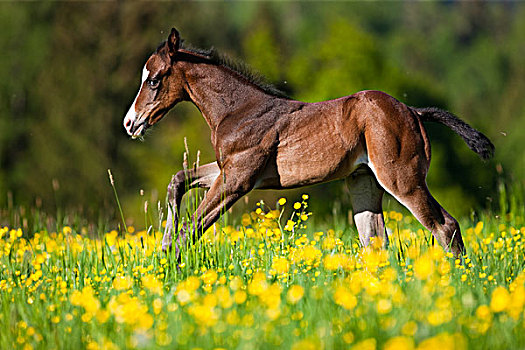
x,y
153,83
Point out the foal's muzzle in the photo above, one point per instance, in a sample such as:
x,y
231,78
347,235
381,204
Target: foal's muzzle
x,y
137,129
134,125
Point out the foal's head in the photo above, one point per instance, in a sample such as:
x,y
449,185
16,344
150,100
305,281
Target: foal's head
x,y
161,88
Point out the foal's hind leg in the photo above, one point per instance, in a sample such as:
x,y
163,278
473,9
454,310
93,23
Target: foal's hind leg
x,y
182,182
410,189
366,196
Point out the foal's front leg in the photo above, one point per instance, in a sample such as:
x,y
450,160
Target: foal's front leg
x,y
182,182
220,197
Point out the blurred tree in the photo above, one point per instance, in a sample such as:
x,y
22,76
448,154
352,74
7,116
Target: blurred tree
x,y
71,70
28,51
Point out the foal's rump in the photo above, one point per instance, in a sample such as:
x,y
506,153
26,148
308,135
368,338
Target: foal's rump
x,y
397,146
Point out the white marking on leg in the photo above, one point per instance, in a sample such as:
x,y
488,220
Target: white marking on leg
x,y
366,223
166,239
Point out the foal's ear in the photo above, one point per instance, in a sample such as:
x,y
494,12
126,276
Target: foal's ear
x,y
173,42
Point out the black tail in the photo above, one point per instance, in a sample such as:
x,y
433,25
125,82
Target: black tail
x,y
475,140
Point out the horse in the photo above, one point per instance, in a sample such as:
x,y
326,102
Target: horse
x,y
265,140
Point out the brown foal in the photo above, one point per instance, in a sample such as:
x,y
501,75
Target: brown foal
x,y
265,140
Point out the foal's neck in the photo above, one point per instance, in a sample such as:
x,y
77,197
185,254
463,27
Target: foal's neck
x,y
220,92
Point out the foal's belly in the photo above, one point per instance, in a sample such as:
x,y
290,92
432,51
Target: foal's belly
x,y
302,160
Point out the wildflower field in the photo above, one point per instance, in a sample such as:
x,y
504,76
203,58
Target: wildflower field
x,y
271,280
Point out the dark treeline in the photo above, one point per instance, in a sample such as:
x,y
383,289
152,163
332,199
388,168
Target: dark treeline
x,y
69,72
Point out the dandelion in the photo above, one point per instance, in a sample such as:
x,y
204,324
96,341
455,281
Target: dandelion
x,y
209,277
344,298
444,341
384,306
500,299
280,265
307,344
409,328
282,201
224,298
423,267
295,294
152,284
102,316
483,313
367,344
122,283
289,225
240,297
399,343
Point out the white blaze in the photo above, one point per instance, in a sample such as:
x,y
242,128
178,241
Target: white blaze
x,y
131,116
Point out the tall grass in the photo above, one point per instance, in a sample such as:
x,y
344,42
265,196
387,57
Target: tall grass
x,y
269,279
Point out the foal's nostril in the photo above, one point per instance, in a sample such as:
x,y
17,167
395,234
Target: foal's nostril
x,y
128,123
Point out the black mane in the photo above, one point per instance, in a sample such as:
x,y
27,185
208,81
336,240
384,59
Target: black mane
x,y
237,66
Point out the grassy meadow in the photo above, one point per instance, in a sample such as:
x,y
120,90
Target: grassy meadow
x,y
270,280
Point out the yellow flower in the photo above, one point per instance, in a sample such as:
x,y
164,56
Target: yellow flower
x,y
348,337
122,282
131,311
209,277
517,301
246,220
280,265
282,201
258,285
384,306
183,296
444,341
295,293
153,284
145,322
289,225
102,316
399,343
86,299
239,296
409,328
483,313
367,344
478,228
345,298
236,283
500,299
111,237
223,297
423,267
306,344
328,243
297,205
204,315
92,346
333,262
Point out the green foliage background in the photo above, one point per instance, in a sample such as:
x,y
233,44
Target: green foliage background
x,y
69,72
